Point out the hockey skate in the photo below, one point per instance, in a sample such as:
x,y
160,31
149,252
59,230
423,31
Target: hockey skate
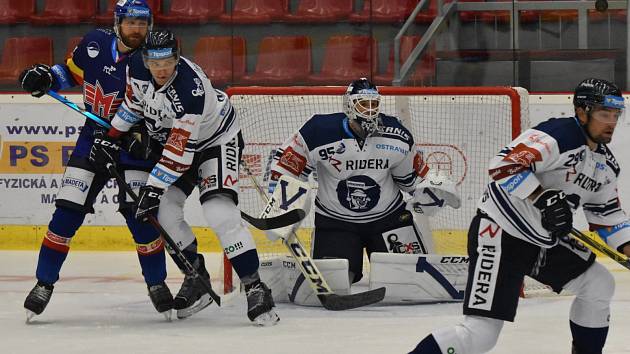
x,y
260,305
162,299
37,299
192,297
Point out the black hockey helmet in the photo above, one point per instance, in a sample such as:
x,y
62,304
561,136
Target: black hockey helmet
x,y
597,92
160,44
361,102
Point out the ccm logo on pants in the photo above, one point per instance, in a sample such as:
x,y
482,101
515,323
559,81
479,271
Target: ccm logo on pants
x,y
487,265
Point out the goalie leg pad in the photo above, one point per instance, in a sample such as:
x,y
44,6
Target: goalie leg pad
x,y
419,278
287,283
171,217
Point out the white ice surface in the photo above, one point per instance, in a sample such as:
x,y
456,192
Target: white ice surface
x,y
100,306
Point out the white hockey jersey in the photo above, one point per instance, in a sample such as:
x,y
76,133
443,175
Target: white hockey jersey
x,y
185,115
555,155
356,183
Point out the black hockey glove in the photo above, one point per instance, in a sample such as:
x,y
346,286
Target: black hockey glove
x,y
138,149
557,217
148,202
37,79
104,150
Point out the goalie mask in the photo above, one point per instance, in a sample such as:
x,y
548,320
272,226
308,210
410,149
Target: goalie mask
x,y
361,103
136,9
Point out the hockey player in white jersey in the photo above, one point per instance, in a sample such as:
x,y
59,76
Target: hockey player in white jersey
x,y
524,218
198,130
363,160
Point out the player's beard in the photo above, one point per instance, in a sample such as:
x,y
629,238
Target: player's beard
x,y
133,41
604,137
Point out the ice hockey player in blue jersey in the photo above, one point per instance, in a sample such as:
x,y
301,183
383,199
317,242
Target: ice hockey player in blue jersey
x,y
363,160
197,131
524,218
98,65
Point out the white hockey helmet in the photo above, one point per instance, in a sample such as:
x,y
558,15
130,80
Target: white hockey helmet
x,y
361,103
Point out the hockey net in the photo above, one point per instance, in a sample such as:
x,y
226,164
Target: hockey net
x,y
457,129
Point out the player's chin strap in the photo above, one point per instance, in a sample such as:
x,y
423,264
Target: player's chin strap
x,y
278,221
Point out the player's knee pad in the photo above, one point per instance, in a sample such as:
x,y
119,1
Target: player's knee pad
x,y
66,221
171,217
224,218
475,335
594,290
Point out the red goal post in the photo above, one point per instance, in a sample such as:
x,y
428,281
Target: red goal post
x,y
457,129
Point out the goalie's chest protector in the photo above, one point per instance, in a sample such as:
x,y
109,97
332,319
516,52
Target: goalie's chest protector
x,y
355,182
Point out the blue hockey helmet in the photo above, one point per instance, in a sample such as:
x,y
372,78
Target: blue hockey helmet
x,y
361,103
132,8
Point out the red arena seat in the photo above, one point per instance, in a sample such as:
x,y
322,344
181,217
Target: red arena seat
x,y
347,58
14,11
192,12
65,12
386,11
317,11
256,12
282,60
107,17
221,58
21,52
424,71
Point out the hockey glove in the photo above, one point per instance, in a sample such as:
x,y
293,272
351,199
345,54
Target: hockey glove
x,y
136,148
148,202
433,193
37,79
556,213
104,150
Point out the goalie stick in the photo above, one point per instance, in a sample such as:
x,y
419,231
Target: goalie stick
x,y
602,247
276,222
325,294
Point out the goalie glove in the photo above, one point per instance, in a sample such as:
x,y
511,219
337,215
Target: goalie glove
x,y
433,193
289,194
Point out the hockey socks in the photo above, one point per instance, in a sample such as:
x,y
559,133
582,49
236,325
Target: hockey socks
x,y
588,340
427,346
150,249
246,264
56,244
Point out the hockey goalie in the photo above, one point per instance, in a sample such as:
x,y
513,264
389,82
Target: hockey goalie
x,y
375,194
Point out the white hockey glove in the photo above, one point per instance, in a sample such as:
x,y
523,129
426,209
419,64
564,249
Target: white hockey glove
x,y
289,194
433,193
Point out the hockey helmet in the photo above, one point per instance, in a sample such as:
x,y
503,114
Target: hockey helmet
x,y
131,8
361,103
597,92
160,44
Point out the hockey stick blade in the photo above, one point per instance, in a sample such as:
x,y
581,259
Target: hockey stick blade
x,y
289,218
334,302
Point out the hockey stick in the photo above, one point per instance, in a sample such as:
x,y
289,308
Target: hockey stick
x,y
190,269
276,222
602,247
326,296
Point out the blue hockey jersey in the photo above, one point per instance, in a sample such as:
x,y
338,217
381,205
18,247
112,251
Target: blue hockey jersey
x,y
99,68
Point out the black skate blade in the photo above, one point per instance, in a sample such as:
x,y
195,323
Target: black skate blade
x,y
334,302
